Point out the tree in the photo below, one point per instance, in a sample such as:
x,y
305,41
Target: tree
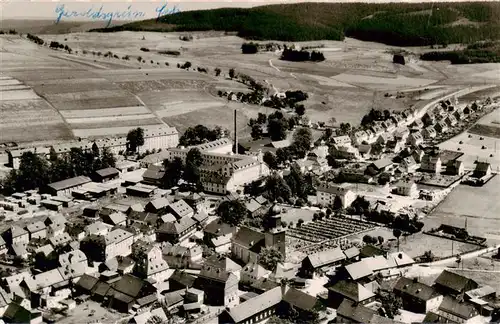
x,y
271,160
337,203
276,187
428,256
217,71
380,240
277,129
232,212
296,182
397,233
269,257
107,158
345,128
192,169
302,141
283,155
199,134
232,73
300,110
173,172
249,48
52,154
256,132
261,118
135,139
367,239
391,304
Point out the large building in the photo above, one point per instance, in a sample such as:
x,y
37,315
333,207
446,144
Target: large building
x,y
327,193
223,171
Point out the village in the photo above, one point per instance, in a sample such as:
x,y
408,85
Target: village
x,y
237,246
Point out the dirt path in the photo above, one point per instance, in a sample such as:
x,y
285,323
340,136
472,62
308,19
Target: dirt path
x,y
271,65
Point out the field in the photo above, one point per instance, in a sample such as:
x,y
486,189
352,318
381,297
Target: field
x,y
478,206
486,132
89,95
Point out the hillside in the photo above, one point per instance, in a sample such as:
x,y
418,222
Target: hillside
x,y
403,24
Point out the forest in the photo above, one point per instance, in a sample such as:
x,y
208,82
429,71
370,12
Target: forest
x,y
401,24
484,52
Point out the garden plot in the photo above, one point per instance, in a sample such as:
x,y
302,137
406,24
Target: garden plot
x,y
142,86
107,131
51,74
76,85
109,119
153,74
19,94
35,133
179,108
7,82
83,95
117,123
96,103
97,113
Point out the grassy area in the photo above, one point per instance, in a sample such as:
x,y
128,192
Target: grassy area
x,y
408,24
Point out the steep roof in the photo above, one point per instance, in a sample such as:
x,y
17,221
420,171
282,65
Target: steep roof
x,y
300,299
223,263
452,280
326,257
154,172
159,203
87,282
181,208
183,278
461,309
415,289
351,252
358,270
107,172
357,313
248,237
255,305
129,285
218,227
35,227
177,227
380,164
351,290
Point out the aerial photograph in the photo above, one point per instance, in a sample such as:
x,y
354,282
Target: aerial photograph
x,y
253,162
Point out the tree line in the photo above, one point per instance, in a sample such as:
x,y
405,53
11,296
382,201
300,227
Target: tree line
x,y
301,56
488,52
400,24
36,171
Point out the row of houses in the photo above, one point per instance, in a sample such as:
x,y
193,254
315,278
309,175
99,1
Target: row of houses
x,y
154,139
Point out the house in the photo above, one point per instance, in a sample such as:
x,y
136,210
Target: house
x,y
399,259
343,140
181,280
60,240
416,296
157,206
379,166
352,254
383,139
350,312
98,228
16,235
66,187
431,163
406,188
125,292
3,246
417,124
141,190
415,139
357,271
201,218
429,132
344,152
397,119
217,228
253,272
118,242
388,125
429,119
219,278
455,167
328,194
454,311
15,313
182,257
409,164
376,130
247,243
418,155
484,292
459,114
153,175
254,208
359,137
149,262
37,230
143,218
85,284
72,257
441,127
104,175
221,244
364,149
144,317
395,145
180,209
350,290
318,260
177,231
482,169
253,310
306,306
451,120
449,283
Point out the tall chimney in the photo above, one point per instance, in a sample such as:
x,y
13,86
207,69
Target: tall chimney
x,y
235,134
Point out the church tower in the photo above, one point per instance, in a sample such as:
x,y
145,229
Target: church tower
x,y
275,234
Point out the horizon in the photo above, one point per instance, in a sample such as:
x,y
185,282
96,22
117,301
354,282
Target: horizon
x,y
46,10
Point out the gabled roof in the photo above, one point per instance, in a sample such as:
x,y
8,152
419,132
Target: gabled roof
x,y
154,172
252,205
69,183
117,218
380,164
480,292
72,257
219,228
248,237
300,299
181,208
223,263
129,285
107,172
159,203
60,239
17,231
358,270
399,259
35,227
177,227
183,278
452,306
255,305
452,280
357,313
415,289
326,257
352,290
116,236
87,282
376,263
200,216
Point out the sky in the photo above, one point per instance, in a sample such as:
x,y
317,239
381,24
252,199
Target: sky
x,y
36,9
